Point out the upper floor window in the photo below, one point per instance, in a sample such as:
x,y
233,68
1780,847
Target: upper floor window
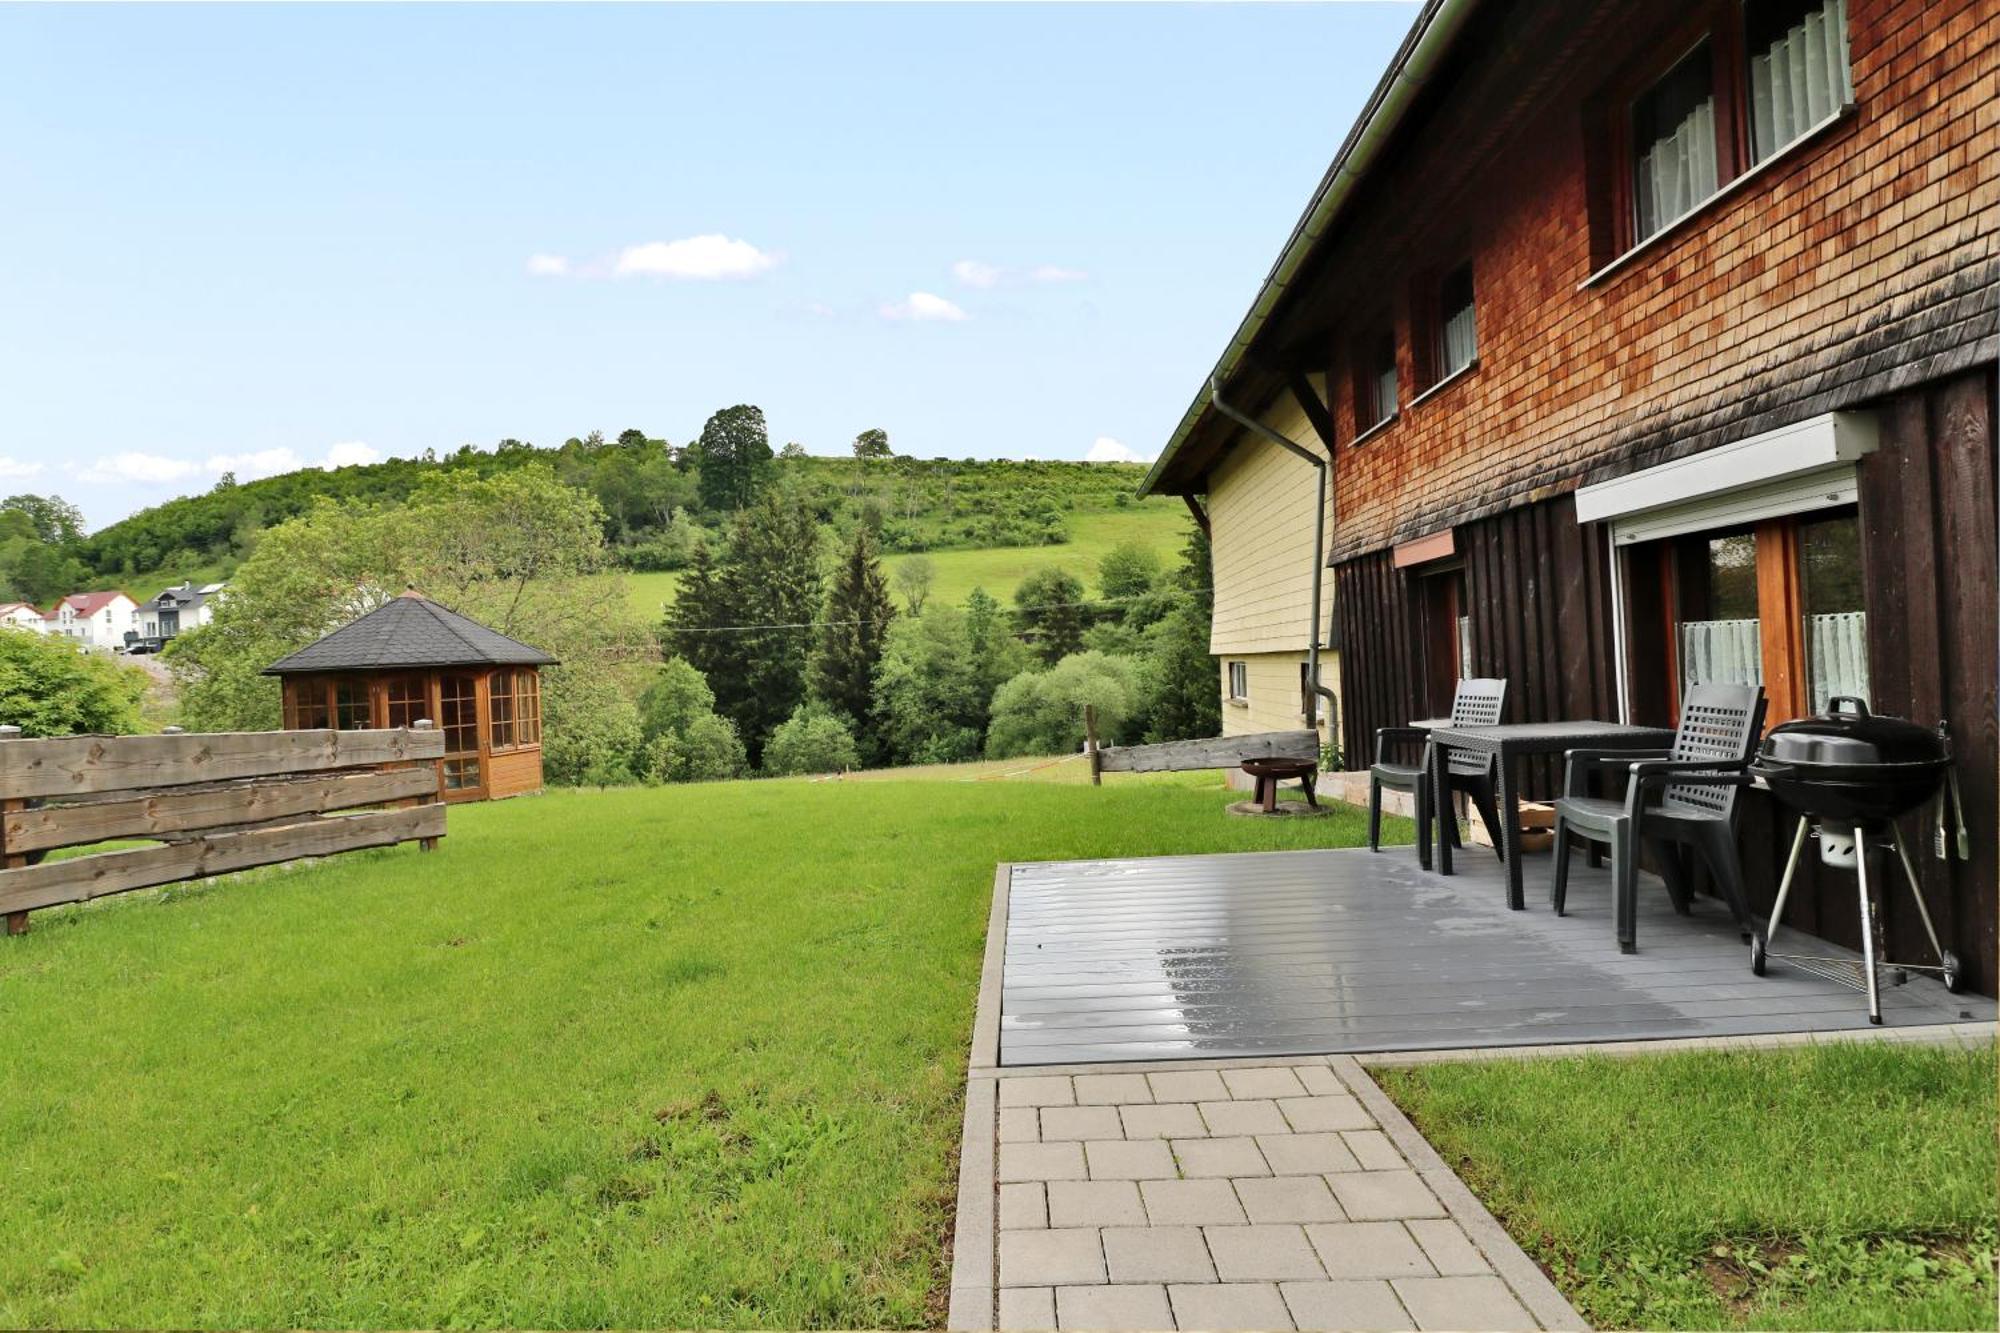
x,y
1458,340
1674,145
1798,71
1375,384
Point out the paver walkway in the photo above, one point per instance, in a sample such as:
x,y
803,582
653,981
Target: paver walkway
x,y
1232,1196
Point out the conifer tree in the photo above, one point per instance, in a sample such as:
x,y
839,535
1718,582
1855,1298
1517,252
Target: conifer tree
x,y
849,652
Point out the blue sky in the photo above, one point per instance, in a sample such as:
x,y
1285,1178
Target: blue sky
x,y
260,237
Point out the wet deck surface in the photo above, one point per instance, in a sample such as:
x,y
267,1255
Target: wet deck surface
x,y
1288,953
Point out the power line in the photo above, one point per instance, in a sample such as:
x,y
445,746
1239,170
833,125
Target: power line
x,y
848,624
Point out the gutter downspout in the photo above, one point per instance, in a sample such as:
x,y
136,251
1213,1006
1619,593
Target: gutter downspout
x,y
1257,427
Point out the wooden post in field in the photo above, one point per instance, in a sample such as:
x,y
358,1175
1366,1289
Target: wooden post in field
x,y
427,844
17,922
1090,744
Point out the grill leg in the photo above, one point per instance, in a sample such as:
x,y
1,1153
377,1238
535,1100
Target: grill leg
x,y
1785,884
1917,892
1867,925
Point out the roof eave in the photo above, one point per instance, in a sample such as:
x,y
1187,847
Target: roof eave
x,y
1428,39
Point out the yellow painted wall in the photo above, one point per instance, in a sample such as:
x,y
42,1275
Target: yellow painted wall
x,y
1260,510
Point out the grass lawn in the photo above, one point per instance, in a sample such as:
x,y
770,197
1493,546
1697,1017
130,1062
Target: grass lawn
x,y
1160,524
1843,1187
651,1057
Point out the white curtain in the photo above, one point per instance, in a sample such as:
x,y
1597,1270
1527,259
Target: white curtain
x,y
1678,170
1800,79
1837,655
1459,340
1721,652
1385,394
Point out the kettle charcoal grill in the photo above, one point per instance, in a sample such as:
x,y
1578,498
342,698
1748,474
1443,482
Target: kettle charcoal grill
x,y
1853,774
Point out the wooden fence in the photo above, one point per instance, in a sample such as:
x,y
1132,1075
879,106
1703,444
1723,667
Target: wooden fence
x,y
213,802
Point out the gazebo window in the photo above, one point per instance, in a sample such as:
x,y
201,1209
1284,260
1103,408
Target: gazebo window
x,y
458,706
352,710
409,700
500,708
310,713
528,694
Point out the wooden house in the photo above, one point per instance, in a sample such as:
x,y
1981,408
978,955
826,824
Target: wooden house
x,y
1648,343
410,659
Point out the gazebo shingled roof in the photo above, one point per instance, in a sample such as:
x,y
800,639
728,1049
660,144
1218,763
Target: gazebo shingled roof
x,y
409,631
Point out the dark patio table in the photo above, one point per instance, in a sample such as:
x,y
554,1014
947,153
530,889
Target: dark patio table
x,y
1508,742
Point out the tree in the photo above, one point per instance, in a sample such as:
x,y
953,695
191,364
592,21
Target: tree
x,y
814,739
1182,699
1128,571
857,618
55,519
997,656
747,620
792,449
914,576
930,702
734,455
1048,607
681,737
872,443
1041,712
49,688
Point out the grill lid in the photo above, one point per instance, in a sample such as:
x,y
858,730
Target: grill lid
x,y
1848,735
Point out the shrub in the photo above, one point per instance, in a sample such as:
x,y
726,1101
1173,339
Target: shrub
x,y
814,739
50,688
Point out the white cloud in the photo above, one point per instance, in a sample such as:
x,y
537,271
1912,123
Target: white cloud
x,y
548,266
11,468
973,273
260,463
351,453
707,258
131,466
924,306
1056,273
1104,449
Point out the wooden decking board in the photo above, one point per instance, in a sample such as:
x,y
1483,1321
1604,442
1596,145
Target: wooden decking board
x,y
1293,953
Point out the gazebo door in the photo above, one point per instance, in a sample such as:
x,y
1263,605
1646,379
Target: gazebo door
x,y
458,717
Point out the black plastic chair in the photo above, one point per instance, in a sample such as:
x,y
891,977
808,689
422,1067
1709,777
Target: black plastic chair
x,y
1698,781
1474,703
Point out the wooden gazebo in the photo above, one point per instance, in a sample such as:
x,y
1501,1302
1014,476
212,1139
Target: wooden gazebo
x,y
410,659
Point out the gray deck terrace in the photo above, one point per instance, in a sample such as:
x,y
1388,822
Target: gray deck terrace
x,y
1347,951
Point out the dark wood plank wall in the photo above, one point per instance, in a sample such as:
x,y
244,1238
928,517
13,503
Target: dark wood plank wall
x,y
1538,596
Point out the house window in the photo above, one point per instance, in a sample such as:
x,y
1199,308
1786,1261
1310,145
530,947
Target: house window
x,y
1779,604
1798,69
500,708
1458,341
1673,145
1239,682
1375,384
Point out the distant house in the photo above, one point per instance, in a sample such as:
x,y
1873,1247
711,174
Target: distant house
x,y
21,616
411,659
181,607
98,619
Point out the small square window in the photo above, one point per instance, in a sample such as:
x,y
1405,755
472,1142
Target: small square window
x,y
1239,681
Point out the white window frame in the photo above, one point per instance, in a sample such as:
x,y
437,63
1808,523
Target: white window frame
x,y
1238,671
1794,469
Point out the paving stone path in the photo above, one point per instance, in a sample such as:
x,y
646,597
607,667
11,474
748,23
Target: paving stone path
x,y
1279,1195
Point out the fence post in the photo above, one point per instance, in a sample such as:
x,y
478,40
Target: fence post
x,y
1090,744
17,922
428,844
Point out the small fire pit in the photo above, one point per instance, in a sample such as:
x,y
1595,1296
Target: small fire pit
x,y
1268,773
